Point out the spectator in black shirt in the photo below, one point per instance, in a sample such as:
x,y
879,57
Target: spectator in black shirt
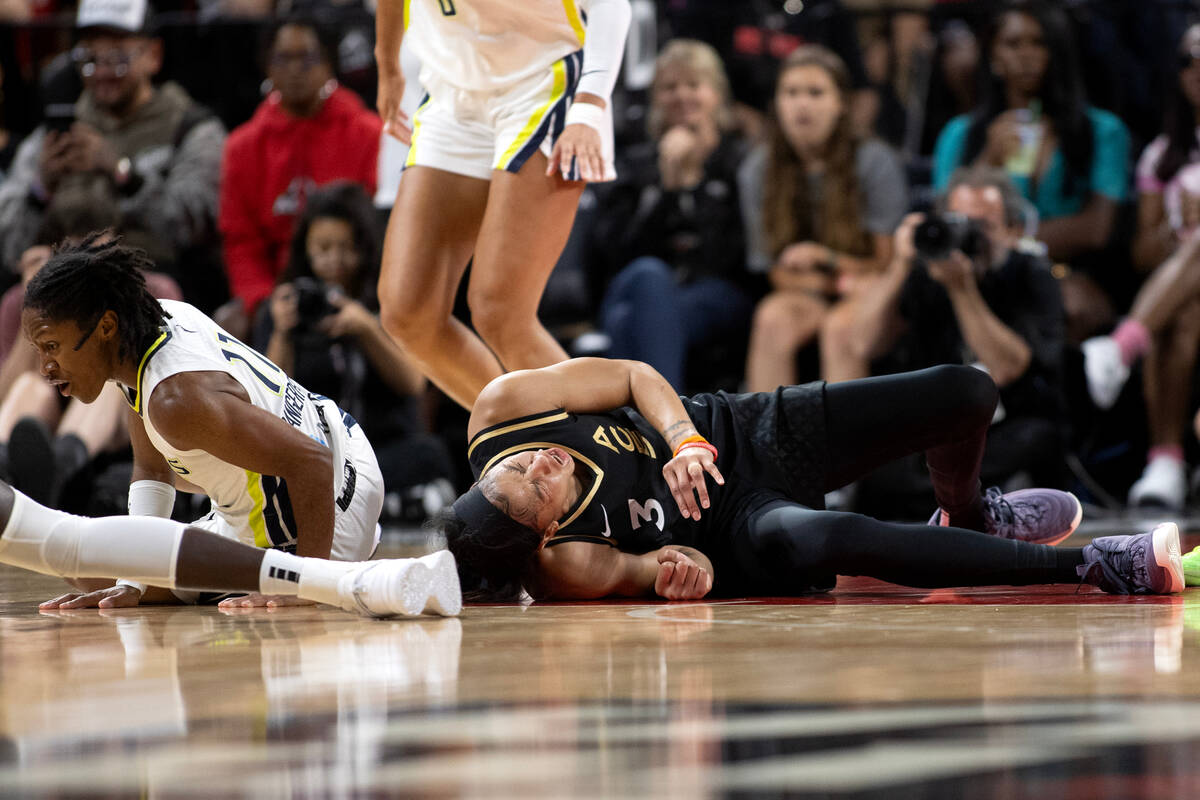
x,y
999,310
672,223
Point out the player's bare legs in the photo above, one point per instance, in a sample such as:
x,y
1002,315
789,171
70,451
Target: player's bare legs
x,y
430,238
528,219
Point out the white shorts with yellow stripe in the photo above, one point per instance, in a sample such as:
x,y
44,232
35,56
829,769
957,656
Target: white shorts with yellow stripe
x,y
473,133
356,528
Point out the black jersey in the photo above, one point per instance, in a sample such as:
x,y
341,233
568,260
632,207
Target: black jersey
x,y
770,444
625,501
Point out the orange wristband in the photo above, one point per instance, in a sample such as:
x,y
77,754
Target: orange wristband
x,y
706,445
695,437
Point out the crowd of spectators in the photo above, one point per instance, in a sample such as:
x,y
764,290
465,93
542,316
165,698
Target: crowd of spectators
x,y
821,189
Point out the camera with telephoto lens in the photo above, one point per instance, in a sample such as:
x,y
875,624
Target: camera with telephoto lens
x,y
939,235
312,300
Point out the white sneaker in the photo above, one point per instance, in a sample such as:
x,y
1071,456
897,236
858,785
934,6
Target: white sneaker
x,y
1163,483
1106,372
389,587
445,595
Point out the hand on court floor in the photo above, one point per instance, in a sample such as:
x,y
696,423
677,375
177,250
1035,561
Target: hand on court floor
x,y
685,476
256,600
583,144
112,597
680,578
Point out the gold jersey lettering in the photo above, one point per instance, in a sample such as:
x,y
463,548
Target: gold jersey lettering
x,y
626,442
599,437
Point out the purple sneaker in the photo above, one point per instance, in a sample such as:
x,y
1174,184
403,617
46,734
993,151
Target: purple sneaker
x,y
1145,563
1040,516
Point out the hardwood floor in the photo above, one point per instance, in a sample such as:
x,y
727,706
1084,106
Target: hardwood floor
x,y
871,691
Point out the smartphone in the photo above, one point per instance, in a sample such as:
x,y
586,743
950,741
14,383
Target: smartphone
x,y
60,116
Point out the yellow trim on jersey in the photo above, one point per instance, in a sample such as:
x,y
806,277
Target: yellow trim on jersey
x,y
520,426
405,17
557,90
576,20
255,520
575,454
411,159
136,405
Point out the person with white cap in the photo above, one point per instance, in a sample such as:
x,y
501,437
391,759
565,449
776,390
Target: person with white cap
x,y
153,149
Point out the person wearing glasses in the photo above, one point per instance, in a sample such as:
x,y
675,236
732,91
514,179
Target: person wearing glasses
x,y
151,151
308,132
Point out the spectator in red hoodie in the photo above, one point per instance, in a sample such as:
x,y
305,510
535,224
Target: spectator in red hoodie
x,y
308,132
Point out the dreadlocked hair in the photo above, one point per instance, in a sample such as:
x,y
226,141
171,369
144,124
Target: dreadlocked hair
x,y
495,563
82,281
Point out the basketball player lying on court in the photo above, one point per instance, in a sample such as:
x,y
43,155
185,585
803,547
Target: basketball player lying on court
x,y
285,470
596,479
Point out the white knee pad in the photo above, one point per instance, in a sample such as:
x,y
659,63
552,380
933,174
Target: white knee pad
x,y
55,543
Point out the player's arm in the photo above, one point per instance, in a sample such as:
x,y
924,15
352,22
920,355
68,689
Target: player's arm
x,y
585,571
603,47
389,35
588,385
148,463
210,411
582,385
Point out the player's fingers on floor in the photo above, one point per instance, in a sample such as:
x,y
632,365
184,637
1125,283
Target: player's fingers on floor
x,y
58,601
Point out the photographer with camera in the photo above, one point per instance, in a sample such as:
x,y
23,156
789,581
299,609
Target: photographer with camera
x,y
321,326
960,289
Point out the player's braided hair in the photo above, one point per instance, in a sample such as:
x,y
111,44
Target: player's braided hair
x,y
82,281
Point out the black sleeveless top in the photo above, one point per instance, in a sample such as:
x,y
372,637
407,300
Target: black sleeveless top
x,y
771,444
625,501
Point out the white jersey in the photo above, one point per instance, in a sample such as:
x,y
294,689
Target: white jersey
x,y
256,507
490,45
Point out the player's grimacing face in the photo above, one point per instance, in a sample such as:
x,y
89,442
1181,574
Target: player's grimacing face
x,y
536,486
69,357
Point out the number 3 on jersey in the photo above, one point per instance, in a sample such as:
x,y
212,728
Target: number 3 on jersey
x,y
447,7
263,368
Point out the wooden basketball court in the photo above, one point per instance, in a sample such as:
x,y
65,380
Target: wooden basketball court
x,y
871,691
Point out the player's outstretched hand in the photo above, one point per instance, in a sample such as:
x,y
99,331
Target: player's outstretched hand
x,y
256,600
581,143
112,597
680,578
685,477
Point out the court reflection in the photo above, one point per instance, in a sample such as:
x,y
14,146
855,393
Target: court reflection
x,y
115,698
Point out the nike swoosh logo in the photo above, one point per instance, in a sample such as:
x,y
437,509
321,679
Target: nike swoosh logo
x,y
607,534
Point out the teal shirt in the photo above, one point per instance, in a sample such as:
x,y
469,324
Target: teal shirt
x,y
1108,176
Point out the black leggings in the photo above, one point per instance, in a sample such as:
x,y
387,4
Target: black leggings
x,y
943,411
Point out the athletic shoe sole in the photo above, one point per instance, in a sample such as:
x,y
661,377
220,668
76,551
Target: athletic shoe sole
x,y
404,595
1166,555
445,595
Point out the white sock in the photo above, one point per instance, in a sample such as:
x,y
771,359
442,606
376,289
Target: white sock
x,y
310,578
56,543
319,579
